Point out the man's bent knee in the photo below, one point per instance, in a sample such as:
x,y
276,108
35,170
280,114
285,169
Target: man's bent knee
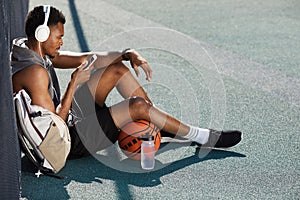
x,y
139,107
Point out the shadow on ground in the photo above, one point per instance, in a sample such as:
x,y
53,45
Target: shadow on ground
x,y
90,169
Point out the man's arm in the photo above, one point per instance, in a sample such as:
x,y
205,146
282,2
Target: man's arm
x,y
66,59
78,77
35,81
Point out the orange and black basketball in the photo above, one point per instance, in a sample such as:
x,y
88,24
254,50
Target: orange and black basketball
x,y
129,141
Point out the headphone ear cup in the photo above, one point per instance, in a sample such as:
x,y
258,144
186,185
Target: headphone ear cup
x,y
42,33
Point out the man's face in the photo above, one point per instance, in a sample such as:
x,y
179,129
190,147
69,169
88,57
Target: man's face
x,y
55,40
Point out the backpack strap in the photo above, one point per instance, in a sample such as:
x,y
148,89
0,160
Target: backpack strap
x,y
32,115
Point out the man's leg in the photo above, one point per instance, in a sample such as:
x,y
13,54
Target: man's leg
x,y
119,76
135,108
140,107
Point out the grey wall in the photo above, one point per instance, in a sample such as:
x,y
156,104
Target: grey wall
x,y
12,25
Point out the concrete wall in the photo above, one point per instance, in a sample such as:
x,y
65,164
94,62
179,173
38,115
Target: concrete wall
x,y
12,17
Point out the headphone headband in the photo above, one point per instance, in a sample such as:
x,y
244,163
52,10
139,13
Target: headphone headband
x,y
47,13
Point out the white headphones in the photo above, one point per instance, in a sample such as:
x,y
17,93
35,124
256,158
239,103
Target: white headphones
x,y
42,32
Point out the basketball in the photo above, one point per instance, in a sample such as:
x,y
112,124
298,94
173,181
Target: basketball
x,y
128,139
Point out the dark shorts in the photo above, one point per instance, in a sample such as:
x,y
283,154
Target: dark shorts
x,y
95,129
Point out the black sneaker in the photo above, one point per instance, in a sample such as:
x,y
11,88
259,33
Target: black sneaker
x,y
223,139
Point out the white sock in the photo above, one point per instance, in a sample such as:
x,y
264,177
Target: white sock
x,y
199,135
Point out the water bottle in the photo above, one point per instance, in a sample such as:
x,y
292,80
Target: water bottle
x,y
147,152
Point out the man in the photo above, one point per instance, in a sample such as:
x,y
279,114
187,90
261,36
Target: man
x,y
93,126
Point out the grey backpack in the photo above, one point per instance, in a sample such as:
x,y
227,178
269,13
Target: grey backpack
x,y
43,135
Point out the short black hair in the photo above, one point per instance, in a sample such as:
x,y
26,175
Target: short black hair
x,y
36,17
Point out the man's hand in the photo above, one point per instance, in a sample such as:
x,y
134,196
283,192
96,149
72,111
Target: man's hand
x,y
136,60
81,75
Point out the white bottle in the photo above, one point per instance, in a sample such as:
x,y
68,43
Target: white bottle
x,y
147,152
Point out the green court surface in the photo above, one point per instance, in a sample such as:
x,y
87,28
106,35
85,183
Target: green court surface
x,y
219,64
